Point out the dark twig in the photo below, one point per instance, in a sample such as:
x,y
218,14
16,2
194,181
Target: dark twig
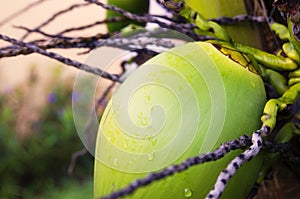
x,y
74,158
90,130
240,143
136,41
185,28
40,32
59,35
101,102
239,18
237,162
19,12
275,148
62,59
81,42
109,20
222,20
55,16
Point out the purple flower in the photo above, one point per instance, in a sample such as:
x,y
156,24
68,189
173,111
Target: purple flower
x,y
75,97
52,97
7,90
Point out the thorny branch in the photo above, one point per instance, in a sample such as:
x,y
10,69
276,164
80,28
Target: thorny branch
x,y
225,148
79,42
89,127
240,143
237,162
60,58
105,21
28,7
184,28
74,158
55,16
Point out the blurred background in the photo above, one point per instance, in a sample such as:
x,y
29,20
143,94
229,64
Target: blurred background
x,y
37,134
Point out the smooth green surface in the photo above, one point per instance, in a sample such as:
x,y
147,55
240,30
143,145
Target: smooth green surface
x,y
243,32
244,100
217,8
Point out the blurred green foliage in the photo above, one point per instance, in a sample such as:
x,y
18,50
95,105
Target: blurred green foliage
x,y
72,190
36,166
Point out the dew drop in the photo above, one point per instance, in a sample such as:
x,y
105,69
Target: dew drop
x,y
144,121
112,139
154,141
150,156
140,115
187,192
179,88
147,99
113,187
116,162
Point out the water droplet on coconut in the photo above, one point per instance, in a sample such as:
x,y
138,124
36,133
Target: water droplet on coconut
x,y
116,162
150,156
187,192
